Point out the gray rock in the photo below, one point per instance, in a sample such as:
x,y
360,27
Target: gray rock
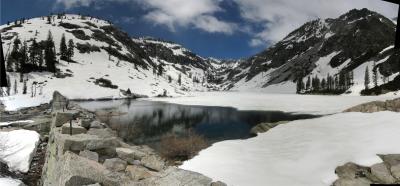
x,y
137,173
176,176
89,155
97,125
351,171
130,154
61,118
391,159
395,169
265,127
153,162
377,106
96,184
352,182
86,123
381,171
76,129
218,183
115,164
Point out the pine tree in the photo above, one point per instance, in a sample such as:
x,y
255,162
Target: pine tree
x,y
50,57
299,86
308,83
366,79
48,19
23,57
15,87
375,74
160,69
34,53
180,79
24,89
63,48
70,50
323,84
169,79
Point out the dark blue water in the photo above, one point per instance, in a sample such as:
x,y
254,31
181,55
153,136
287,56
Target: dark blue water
x,y
146,122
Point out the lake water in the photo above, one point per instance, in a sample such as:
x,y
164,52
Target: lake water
x,y
146,122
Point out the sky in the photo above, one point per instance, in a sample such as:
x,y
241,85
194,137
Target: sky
x,y
225,29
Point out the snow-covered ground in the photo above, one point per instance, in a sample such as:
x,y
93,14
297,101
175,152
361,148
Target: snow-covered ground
x,y
17,148
10,182
303,152
308,104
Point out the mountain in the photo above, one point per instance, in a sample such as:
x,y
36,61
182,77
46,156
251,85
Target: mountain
x,y
350,42
106,62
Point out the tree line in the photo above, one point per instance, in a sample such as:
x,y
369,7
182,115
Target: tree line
x,y
337,84
39,56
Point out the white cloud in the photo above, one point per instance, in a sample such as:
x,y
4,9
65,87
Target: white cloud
x,y
173,13
280,17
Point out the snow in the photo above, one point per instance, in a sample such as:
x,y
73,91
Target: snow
x,y
2,124
308,104
17,148
90,67
386,49
10,182
303,152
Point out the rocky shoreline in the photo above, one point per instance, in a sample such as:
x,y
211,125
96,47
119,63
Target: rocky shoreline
x,y
93,154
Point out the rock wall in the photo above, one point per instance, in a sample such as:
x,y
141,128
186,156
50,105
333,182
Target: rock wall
x,y
84,151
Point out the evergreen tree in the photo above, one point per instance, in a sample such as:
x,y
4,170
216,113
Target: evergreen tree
x,y
180,79
24,89
160,69
308,83
34,53
323,84
300,85
169,79
63,48
48,19
70,51
375,74
23,58
366,79
49,54
40,59
15,87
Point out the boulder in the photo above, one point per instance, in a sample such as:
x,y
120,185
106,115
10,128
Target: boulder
x,y
377,106
130,154
176,176
351,171
153,162
97,125
89,155
218,183
137,173
60,118
115,164
265,127
381,172
395,169
96,184
75,129
352,182
86,123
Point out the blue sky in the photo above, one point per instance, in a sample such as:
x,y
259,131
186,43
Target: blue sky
x,y
210,28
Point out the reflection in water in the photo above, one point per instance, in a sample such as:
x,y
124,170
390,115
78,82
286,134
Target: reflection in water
x,y
146,122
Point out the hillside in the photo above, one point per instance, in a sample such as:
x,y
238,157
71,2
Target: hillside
x,y
106,62
346,44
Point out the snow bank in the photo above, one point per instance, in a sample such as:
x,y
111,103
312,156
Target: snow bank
x,y
303,152
3,124
309,104
17,148
10,182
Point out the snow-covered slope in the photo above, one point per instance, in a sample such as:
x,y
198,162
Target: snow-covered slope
x,y
351,42
130,65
